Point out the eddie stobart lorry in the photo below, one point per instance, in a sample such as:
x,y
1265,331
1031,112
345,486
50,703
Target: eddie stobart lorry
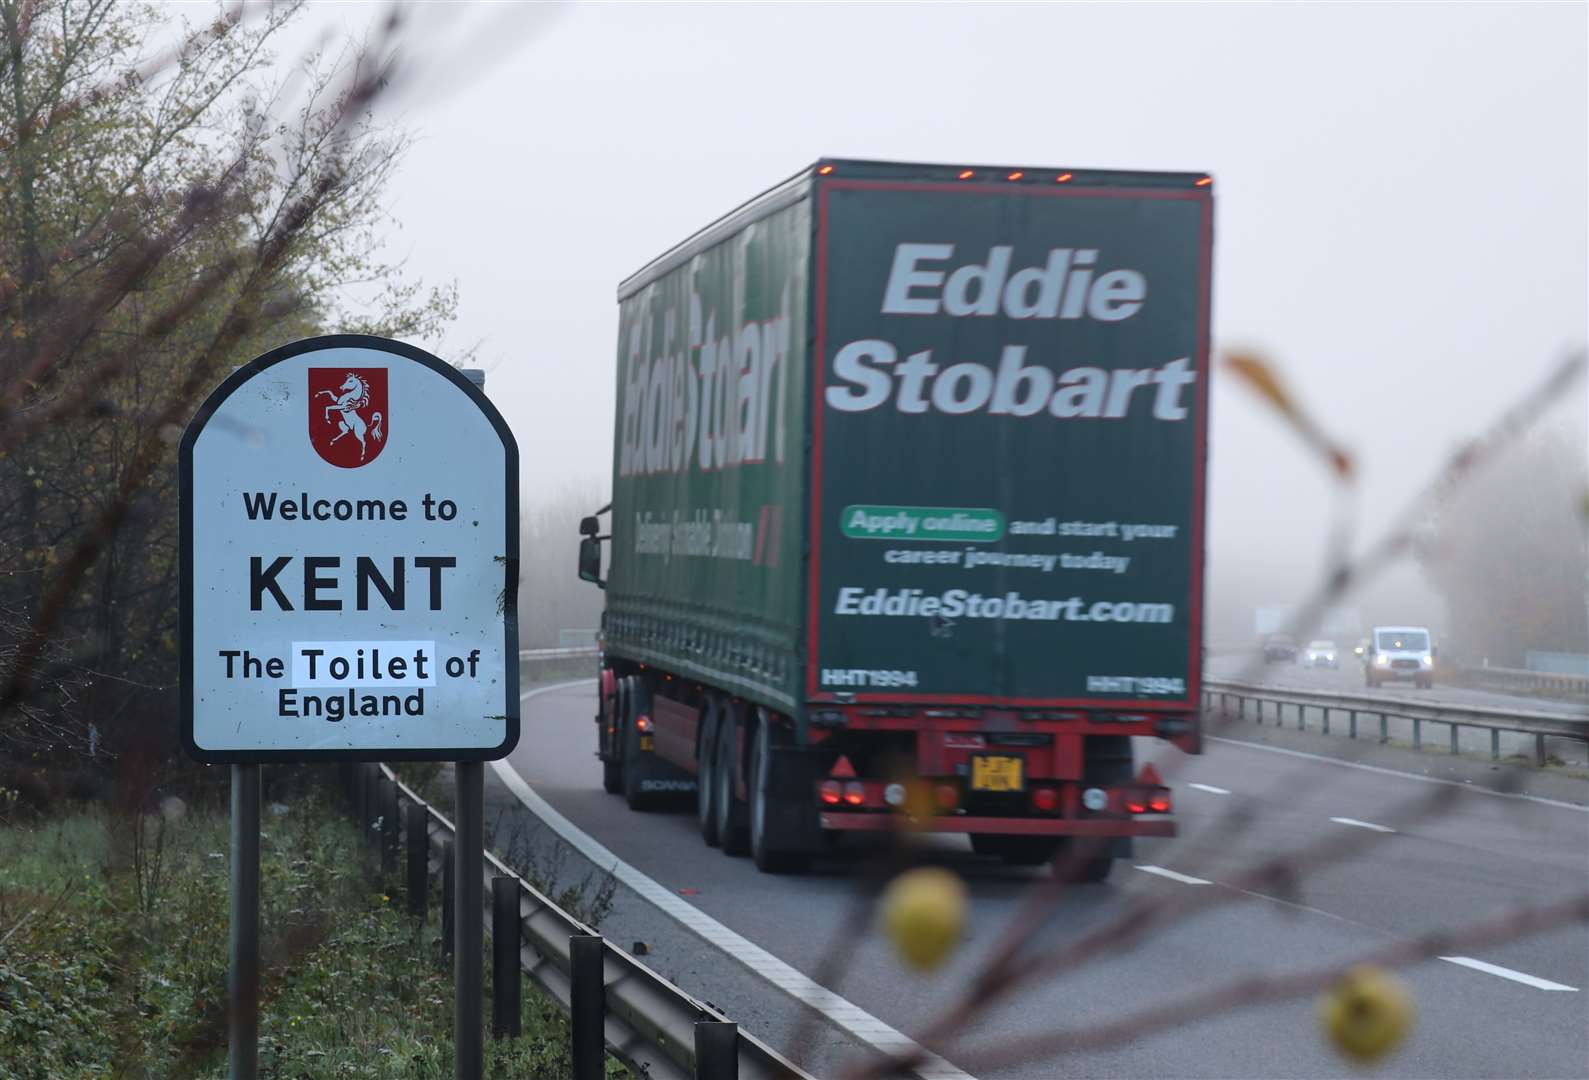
x,y
907,513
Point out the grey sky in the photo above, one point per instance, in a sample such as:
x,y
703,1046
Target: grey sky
x,y
1401,191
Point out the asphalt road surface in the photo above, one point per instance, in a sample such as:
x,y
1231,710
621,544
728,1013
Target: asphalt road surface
x,y
1512,1010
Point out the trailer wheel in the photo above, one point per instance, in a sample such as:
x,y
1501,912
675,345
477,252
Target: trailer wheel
x,y
1090,872
1016,850
630,693
732,833
768,858
611,763
706,771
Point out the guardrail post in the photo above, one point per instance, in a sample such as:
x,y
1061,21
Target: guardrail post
x,y
1417,733
1351,720
388,826
1326,727
418,840
716,1050
1302,718
1384,730
506,932
1495,744
447,913
1455,746
1539,751
587,1006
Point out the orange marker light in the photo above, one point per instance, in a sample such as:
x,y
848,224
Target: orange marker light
x,y
824,170
1205,181
1062,178
968,174
1015,176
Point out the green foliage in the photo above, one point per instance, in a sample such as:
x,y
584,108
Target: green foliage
x,y
172,202
352,986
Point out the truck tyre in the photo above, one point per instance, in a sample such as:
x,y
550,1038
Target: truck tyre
x,y
732,832
1016,850
763,850
1090,872
611,764
706,773
630,694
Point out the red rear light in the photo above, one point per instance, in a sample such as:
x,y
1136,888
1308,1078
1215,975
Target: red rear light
x,y
947,796
829,791
1159,802
855,793
1135,804
1045,799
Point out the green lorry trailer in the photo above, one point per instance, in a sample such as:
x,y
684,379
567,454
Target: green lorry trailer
x,y
907,510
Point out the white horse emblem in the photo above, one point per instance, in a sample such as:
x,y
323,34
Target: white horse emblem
x,y
350,397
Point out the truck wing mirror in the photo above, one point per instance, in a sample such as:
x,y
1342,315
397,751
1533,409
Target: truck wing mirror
x,y
588,526
590,561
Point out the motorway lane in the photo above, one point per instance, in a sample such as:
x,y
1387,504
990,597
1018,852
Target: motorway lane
x,y
1348,679
1486,853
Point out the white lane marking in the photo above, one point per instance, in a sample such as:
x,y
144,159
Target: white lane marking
x,y
1173,875
847,1015
1397,772
1507,973
1210,788
1361,824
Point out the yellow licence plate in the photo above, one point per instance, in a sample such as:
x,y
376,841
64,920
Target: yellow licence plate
x,y
996,773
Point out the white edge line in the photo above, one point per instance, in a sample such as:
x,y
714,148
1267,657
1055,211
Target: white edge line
x,y
1507,973
1362,824
841,1012
1210,788
1184,879
1381,770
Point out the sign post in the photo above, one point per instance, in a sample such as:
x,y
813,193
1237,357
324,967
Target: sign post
x,y
350,544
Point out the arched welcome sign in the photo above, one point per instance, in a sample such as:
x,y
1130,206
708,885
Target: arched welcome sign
x,y
350,542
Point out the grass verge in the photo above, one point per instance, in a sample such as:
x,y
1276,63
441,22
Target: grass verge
x,y
113,956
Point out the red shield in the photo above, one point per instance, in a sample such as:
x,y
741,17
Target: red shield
x,y
348,414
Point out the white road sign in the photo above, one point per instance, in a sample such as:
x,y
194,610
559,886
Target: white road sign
x,y
350,544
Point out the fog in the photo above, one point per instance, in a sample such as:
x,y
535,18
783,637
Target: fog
x,y
1401,202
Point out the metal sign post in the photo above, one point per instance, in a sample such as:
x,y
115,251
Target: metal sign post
x,y
242,976
350,543
468,984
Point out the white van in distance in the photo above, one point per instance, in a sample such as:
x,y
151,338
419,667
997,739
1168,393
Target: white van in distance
x,y
1404,653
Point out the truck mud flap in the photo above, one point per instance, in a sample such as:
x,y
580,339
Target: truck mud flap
x,y
792,822
663,778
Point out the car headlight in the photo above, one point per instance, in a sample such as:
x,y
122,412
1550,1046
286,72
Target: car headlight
x,y
1428,661
1382,660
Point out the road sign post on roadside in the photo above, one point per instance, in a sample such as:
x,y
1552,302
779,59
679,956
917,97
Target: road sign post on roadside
x,y
349,593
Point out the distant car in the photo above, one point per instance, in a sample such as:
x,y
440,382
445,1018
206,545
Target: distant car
x,y
1320,654
1400,654
1279,648
1360,650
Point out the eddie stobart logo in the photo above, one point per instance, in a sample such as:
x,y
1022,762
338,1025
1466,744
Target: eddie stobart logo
x,y
1071,284
348,414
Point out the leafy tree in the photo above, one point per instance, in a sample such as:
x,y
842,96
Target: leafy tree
x,y
171,205
1510,553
